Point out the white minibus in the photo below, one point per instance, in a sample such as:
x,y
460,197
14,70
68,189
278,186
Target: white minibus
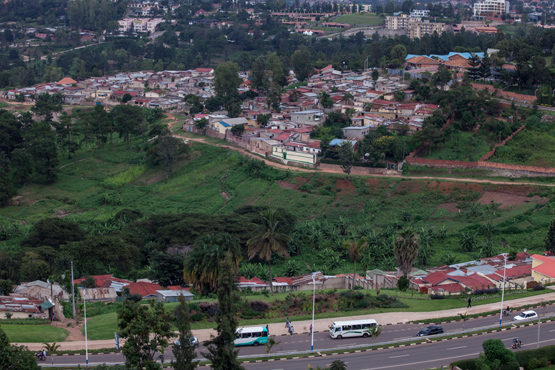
x,y
355,328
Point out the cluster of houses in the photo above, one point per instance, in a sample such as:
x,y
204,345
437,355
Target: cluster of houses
x,y
522,272
369,103
38,299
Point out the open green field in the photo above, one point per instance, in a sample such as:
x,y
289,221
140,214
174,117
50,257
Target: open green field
x,y
530,148
365,19
104,326
34,333
461,146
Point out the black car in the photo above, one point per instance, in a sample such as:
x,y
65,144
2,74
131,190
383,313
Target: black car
x,y
430,330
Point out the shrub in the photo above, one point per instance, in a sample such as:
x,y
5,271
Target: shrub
x,y
197,317
260,306
437,296
536,363
486,291
469,364
209,308
538,287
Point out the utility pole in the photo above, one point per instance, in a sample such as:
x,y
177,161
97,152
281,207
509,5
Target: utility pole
x,y
73,293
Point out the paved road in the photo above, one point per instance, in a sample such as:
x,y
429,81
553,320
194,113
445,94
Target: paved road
x,y
322,340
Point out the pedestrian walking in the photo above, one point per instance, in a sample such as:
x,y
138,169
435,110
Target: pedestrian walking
x,y
268,329
310,330
287,323
290,329
469,302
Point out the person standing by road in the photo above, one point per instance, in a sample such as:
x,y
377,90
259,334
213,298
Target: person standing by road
x,y
287,322
268,329
290,329
469,302
310,330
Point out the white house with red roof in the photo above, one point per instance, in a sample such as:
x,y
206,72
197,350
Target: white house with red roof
x,y
543,268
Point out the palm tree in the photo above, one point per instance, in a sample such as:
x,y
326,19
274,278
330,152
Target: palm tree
x,y
268,240
356,249
468,240
202,267
406,250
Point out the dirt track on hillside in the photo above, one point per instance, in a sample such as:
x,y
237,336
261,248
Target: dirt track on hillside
x,y
172,120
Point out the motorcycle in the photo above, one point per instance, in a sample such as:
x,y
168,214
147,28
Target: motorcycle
x,y
40,356
506,312
517,344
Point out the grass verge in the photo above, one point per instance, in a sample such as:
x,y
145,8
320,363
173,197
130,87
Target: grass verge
x,y
30,333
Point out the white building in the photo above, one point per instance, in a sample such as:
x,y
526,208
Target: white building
x,y
419,13
491,6
139,25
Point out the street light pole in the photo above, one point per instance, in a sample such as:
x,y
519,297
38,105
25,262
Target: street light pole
x,y
503,291
313,300
86,340
73,293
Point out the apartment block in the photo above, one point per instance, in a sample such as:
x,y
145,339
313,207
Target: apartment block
x,y
491,7
399,22
419,29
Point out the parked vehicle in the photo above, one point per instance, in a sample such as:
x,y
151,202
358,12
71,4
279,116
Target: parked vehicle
x,y
354,328
430,330
526,315
193,339
252,336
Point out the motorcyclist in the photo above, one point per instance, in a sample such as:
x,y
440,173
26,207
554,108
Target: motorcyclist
x,y
517,342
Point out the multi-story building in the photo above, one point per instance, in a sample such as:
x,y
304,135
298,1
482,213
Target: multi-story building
x,y
491,7
399,23
139,25
419,29
419,13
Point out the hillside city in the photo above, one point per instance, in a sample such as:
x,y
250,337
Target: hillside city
x,y
326,184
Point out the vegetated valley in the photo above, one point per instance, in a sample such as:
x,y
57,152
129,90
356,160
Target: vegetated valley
x,y
129,215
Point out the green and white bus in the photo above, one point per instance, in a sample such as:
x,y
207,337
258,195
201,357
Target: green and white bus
x,y
355,328
252,336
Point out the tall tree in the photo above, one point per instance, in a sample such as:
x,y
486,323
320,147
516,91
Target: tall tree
x,y
184,352
46,159
268,240
200,269
221,349
485,67
406,251
128,120
346,156
226,83
474,69
356,249
146,330
301,60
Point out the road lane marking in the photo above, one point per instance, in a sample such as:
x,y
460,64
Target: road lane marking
x,y
449,349
399,356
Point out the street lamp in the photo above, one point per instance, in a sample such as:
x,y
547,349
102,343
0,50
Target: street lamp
x,y
503,291
86,340
313,299
535,92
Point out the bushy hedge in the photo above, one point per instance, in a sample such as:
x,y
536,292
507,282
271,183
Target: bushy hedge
x,y
356,164
29,321
529,359
469,364
486,291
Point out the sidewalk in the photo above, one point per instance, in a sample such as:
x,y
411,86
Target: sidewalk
x,y
323,324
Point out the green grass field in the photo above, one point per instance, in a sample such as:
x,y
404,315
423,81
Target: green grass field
x,y
530,148
361,19
34,333
461,146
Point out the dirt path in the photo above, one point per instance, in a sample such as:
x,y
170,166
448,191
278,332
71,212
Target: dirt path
x,y
300,169
74,331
